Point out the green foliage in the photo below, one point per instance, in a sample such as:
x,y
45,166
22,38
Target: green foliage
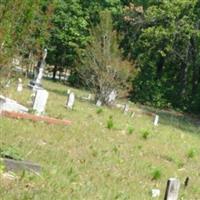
x,y
99,110
164,40
156,174
102,68
10,152
130,130
191,153
68,33
145,134
110,123
2,167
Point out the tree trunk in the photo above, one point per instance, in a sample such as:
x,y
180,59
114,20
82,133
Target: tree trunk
x,y
54,72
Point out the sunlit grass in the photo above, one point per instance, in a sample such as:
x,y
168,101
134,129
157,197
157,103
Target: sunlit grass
x,y
88,160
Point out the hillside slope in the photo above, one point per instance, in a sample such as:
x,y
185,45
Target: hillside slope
x,y
86,160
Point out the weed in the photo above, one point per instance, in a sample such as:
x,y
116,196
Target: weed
x,y
145,134
180,164
2,167
130,130
191,153
99,110
110,123
156,174
10,152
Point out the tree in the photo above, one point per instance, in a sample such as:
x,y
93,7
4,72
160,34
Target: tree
x,y
102,69
164,39
23,28
69,32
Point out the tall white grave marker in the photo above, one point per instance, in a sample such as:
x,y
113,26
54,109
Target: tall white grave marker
x,y
156,120
172,190
41,69
19,86
70,100
40,101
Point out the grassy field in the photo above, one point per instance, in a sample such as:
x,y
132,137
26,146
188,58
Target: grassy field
x,y
98,158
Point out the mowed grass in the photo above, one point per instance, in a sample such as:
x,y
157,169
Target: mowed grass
x,y
88,160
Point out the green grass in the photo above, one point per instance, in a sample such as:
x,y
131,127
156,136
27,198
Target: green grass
x,y
87,160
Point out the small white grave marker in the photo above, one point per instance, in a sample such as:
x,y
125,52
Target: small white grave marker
x,y
40,101
112,96
71,100
19,86
98,103
155,192
172,189
126,108
156,120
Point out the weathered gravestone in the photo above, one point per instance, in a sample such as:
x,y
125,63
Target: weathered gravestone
x,y
70,100
18,165
19,86
112,96
156,120
126,108
155,193
37,82
10,105
172,190
98,103
40,101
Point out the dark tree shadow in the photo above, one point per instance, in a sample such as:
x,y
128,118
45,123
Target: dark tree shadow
x,y
182,121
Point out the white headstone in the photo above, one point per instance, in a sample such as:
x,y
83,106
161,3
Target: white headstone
x,y
70,100
132,114
155,192
172,190
112,96
98,103
156,120
89,97
10,105
19,86
40,101
126,108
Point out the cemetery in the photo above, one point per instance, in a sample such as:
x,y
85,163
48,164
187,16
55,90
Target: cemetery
x,y
99,100
128,163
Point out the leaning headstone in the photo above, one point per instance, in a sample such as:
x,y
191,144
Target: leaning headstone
x,y
19,86
132,114
98,103
18,165
70,100
40,101
172,190
126,108
156,120
10,105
